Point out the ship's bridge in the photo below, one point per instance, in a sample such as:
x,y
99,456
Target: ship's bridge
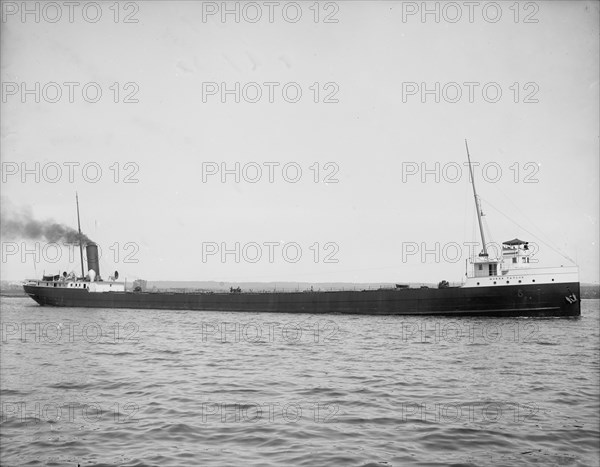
x,y
515,254
514,267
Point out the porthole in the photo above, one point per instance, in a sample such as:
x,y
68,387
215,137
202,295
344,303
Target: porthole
x,y
552,280
533,280
477,283
519,282
508,282
494,282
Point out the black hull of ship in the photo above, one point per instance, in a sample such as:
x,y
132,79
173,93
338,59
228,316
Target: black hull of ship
x,y
519,300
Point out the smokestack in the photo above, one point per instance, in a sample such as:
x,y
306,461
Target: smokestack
x,y
91,250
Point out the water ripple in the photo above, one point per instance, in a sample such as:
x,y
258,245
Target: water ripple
x,y
202,388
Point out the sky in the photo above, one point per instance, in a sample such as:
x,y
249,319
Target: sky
x,y
300,141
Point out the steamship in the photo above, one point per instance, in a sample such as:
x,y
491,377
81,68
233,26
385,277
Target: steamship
x,y
493,287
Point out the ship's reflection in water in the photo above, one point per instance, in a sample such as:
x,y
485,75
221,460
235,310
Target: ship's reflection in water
x,y
133,388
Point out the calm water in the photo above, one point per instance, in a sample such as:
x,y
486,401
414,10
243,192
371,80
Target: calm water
x,y
133,388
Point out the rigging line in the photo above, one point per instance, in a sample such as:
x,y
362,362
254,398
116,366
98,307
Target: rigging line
x,y
531,233
518,209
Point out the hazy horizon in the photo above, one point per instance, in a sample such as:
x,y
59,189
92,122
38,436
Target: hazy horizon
x,y
167,162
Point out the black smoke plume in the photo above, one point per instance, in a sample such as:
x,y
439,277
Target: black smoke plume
x,y
20,224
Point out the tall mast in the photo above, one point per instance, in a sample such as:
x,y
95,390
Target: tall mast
x,y
477,203
80,241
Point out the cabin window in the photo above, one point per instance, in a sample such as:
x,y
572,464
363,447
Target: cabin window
x,y
481,267
514,260
84,286
55,284
493,269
